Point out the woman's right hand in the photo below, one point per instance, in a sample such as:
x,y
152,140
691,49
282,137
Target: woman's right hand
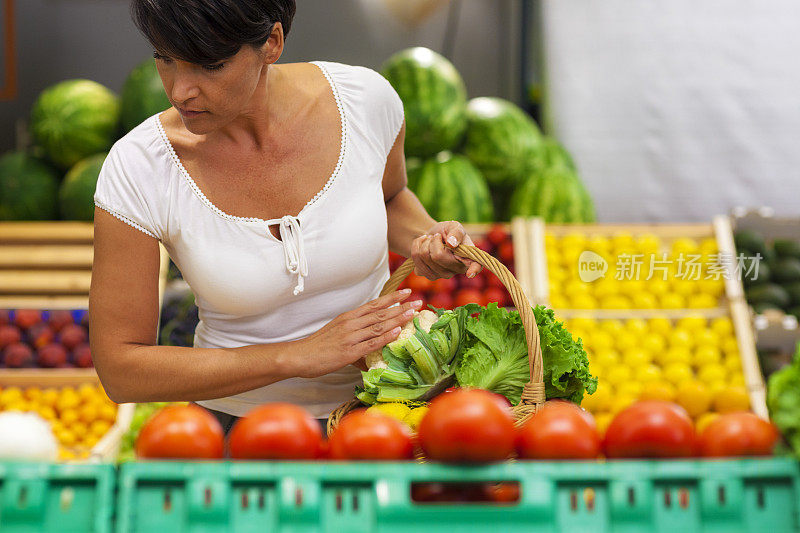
x,y
352,335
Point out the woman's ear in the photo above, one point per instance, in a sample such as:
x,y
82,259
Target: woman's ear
x,y
273,48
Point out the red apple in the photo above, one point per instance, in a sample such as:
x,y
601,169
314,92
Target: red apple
x,y
59,319
496,294
444,285
40,335
442,300
25,318
497,235
5,317
483,244
17,355
52,355
9,335
477,283
505,252
82,356
72,335
492,280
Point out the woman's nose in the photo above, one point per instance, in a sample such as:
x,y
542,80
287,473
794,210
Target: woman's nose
x,y
184,87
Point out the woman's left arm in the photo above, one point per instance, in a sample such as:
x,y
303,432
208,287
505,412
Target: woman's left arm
x,y
412,232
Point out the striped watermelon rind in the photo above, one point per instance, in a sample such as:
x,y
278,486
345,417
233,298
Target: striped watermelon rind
x,y
75,119
76,193
142,95
434,99
502,141
556,194
451,188
28,188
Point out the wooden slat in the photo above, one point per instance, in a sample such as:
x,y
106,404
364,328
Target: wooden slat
x,y
63,301
48,256
46,232
522,255
664,231
45,282
723,232
753,378
625,314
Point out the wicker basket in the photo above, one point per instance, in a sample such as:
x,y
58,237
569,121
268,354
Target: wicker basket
x,y
533,392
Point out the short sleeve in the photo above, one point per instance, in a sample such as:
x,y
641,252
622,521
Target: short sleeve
x,y
385,109
123,190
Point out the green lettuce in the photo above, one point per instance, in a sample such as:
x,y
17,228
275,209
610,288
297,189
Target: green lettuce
x,y
496,356
783,402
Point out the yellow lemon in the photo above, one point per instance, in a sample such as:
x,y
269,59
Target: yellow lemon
x,y
550,240
69,417
622,239
722,326
677,373
675,354
672,301
711,287
659,390
47,412
647,243
576,287
33,394
729,345
586,324
559,302
602,421
637,326
67,438
107,412
647,374
694,397
558,274
11,395
99,428
91,440
584,301
615,302
702,301
654,343
658,286
627,340
738,380
711,373
660,325
681,338
68,399
684,245
631,389
708,246
644,300
731,399
618,375
602,340
89,412
87,391
693,323
706,355
605,288
706,336
630,288
607,358
66,455
49,397
598,243
685,288
573,240
636,357
599,401
620,403
703,421
612,327
733,364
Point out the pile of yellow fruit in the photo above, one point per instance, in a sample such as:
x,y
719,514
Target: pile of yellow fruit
x,y
79,416
411,416
677,280
693,361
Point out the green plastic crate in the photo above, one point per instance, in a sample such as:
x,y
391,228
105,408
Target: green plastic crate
x,y
619,496
56,498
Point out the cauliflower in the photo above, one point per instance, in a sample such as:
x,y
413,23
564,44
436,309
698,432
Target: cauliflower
x,y
426,319
26,436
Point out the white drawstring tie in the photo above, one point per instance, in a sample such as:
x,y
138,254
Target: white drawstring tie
x,y
294,250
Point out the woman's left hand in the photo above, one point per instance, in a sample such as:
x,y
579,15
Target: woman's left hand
x,y
433,255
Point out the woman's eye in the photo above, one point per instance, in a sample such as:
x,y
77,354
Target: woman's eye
x,y
159,57
218,66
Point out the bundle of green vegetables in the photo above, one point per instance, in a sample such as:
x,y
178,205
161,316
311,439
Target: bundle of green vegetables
x,y
783,401
475,346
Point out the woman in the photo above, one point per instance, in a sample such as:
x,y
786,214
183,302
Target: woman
x,y
277,190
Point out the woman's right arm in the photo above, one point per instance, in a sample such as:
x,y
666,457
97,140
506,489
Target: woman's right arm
x,y
124,309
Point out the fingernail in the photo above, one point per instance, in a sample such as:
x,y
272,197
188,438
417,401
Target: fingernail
x,y
416,303
409,313
452,241
405,291
396,331
471,275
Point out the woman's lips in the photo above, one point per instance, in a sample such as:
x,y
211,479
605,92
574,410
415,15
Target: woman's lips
x,y
189,114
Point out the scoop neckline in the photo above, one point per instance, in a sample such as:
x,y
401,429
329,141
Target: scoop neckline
x,y
320,194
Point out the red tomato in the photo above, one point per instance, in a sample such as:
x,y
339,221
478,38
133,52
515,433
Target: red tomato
x,y
502,492
181,432
483,244
467,426
497,235
25,318
559,430
276,431
478,282
492,280
446,285
733,434
505,252
395,260
650,429
469,296
501,296
418,283
442,300
371,437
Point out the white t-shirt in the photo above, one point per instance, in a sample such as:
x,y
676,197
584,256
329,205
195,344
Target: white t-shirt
x,y
250,287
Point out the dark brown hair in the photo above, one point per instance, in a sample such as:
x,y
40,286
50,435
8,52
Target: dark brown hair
x,y
208,31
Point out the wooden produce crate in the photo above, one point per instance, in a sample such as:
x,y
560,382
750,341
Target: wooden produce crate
x,y
777,339
107,448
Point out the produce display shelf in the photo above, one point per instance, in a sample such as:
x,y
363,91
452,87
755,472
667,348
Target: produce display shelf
x,y
636,495
107,448
56,498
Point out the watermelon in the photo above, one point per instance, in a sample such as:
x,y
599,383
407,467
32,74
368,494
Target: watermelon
x,y
28,188
434,98
142,95
451,188
75,119
556,194
76,194
502,141
556,155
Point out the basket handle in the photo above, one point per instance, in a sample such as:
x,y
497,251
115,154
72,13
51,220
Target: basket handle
x,y
533,392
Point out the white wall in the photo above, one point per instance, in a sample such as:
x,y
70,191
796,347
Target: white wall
x,y
678,110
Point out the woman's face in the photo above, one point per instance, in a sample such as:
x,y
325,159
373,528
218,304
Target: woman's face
x,y
209,97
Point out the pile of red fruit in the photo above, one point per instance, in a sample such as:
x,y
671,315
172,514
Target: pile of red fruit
x,y
461,290
47,339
